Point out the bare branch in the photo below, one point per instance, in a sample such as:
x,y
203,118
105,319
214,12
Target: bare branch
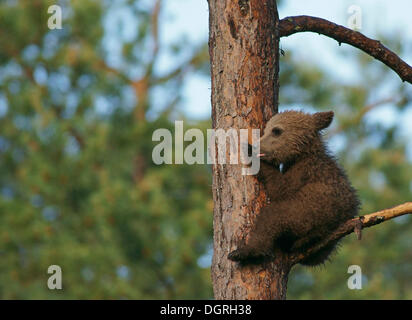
x,y
353,225
374,48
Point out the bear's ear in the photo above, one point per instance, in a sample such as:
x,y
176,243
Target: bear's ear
x,y
323,119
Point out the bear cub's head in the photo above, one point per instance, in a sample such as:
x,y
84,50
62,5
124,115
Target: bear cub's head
x,y
292,134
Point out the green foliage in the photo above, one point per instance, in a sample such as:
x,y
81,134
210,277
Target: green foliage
x,y
78,187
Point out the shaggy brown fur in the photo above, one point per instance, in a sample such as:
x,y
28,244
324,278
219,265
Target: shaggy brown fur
x,y
309,198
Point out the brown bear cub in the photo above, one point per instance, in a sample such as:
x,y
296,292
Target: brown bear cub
x,y
310,195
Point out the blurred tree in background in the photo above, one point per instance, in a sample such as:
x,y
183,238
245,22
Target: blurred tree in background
x,y
78,187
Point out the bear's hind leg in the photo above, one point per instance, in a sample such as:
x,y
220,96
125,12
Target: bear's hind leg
x,y
260,243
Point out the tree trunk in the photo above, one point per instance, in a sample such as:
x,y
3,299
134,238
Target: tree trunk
x,y
244,53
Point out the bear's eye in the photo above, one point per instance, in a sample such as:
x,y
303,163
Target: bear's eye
x,y
277,132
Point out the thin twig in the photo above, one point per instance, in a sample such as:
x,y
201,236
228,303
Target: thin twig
x,y
350,226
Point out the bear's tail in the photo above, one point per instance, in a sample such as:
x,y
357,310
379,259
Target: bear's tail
x,y
320,256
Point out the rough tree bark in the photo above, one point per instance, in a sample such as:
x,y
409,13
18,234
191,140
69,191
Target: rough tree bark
x,y
244,66
244,54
